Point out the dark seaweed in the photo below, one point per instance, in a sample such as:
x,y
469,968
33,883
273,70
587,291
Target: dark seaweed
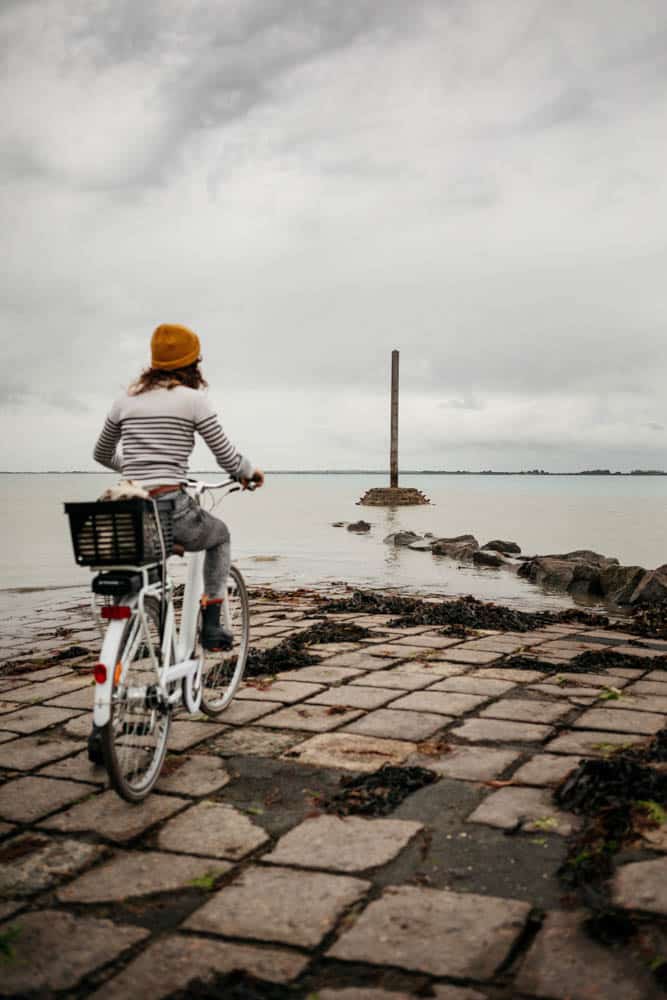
x,y
237,986
292,654
468,612
377,794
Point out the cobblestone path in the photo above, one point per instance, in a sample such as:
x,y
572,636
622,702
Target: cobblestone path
x,y
235,862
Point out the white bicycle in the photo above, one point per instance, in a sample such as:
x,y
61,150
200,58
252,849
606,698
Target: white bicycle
x,y
149,664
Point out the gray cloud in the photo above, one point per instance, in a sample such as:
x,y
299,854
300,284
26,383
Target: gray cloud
x,y
312,184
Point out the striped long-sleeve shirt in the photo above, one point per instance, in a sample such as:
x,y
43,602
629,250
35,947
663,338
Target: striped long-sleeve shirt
x,y
149,437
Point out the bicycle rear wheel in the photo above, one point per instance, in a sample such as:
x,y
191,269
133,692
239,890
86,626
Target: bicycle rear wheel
x,y
134,741
223,671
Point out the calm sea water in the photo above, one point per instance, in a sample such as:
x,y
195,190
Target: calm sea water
x,y
283,536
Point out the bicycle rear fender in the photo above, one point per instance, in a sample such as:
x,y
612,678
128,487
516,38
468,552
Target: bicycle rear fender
x,y
109,658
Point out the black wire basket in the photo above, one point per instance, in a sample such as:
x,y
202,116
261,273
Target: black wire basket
x,y
119,532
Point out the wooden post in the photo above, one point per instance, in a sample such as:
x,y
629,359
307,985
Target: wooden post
x,y
393,453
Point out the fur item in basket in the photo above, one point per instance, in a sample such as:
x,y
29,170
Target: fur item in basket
x,y
126,489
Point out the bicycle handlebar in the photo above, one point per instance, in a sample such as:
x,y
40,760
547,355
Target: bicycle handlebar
x,y
200,487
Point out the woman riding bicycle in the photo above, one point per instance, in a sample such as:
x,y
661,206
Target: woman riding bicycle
x,y
154,423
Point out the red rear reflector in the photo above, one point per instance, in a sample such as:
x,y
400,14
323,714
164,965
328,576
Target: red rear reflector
x,y
115,611
100,673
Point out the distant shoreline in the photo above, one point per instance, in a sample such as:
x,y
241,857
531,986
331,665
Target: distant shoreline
x,y
359,472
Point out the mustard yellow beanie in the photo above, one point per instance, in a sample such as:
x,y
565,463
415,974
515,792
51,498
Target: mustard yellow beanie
x,y
174,346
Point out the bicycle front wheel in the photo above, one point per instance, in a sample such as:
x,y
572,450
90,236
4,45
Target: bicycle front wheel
x,y
134,741
223,671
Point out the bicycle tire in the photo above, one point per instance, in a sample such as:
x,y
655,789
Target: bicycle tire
x,y
134,741
223,671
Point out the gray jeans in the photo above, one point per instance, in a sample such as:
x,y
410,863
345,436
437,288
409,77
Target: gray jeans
x,y
195,529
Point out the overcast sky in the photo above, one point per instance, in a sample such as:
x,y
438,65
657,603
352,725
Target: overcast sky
x,y
308,184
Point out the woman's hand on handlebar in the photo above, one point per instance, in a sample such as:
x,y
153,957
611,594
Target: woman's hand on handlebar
x,y
255,481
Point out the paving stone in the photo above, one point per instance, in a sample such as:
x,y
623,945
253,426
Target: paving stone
x,y
213,829
433,931
361,660
310,718
286,692
644,687
114,819
639,703
591,744
184,735
395,724
545,769
321,675
635,651
139,873
574,692
8,706
35,718
468,763
82,698
255,742
565,963
352,844
642,886
510,674
428,641
79,727
502,732
198,775
28,799
395,651
350,752
593,680
439,701
328,649
51,689
438,669
474,685
173,962
279,904
25,753
621,721
44,863
461,654
77,768
524,809
401,680
355,696
242,711
526,710
54,950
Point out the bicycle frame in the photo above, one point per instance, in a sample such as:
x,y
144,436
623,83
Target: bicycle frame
x,y
177,645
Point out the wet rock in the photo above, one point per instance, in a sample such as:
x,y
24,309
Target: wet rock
x,y
548,571
618,583
338,524
402,538
651,588
482,558
361,527
507,548
462,547
423,545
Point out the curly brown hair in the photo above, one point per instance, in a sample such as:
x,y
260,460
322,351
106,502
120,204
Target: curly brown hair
x,y
159,378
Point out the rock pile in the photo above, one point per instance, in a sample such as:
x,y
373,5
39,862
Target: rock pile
x,y
582,573
588,574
